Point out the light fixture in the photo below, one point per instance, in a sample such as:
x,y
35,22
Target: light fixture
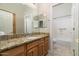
x,y
31,5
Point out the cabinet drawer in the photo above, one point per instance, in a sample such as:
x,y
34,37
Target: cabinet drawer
x,y
21,54
41,40
46,38
14,51
33,51
41,49
32,44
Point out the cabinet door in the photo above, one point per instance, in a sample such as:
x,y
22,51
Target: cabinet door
x,y
46,47
33,51
41,49
18,51
21,54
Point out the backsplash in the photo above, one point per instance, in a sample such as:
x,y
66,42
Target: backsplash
x,y
6,37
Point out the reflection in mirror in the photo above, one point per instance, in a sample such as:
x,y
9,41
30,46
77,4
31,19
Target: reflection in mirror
x,y
41,19
35,24
39,23
6,22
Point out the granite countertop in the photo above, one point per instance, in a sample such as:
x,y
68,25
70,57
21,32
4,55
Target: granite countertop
x,y
11,43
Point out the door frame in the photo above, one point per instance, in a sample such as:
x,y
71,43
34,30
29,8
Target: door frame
x,y
75,17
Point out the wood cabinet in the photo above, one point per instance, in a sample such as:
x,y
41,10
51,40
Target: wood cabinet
x,y
32,49
46,46
18,51
38,47
41,47
32,52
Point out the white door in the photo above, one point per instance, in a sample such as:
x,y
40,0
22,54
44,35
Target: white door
x,y
63,22
63,28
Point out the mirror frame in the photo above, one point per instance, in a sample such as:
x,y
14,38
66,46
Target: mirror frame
x,y
14,20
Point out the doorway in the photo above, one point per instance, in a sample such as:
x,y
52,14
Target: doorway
x,y
62,29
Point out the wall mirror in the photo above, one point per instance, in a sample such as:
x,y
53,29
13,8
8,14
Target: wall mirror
x,y
39,21
7,22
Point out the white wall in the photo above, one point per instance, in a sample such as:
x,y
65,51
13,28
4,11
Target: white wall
x,y
28,18
21,11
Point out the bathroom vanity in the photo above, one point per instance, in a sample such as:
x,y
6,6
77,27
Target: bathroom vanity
x,y
34,45
14,44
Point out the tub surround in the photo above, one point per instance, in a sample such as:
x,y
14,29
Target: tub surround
x,y
16,42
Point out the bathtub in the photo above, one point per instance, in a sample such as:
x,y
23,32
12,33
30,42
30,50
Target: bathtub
x,y
63,41
62,46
